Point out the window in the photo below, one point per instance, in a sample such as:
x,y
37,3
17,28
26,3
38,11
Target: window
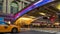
x,y
1,5
14,7
26,4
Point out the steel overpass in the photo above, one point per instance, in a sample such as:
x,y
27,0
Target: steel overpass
x,y
29,8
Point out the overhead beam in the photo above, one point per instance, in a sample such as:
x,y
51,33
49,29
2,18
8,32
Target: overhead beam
x,y
25,1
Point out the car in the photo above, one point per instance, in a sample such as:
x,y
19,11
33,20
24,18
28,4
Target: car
x,y
35,24
56,24
40,22
5,27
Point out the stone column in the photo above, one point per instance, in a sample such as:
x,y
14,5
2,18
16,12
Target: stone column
x,y
8,6
4,6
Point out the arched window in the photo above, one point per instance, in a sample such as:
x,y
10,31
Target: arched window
x,y
14,7
1,5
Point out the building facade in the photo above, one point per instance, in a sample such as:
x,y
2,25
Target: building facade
x,y
12,6
9,7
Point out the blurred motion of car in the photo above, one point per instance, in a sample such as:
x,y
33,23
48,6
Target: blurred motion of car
x,y
56,24
5,27
36,24
40,22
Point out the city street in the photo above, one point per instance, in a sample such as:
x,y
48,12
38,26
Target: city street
x,y
38,31
31,32
30,16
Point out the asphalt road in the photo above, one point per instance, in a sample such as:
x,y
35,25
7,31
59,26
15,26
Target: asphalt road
x,y
38,31
31,32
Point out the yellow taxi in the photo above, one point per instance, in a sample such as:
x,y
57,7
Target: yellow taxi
x,y
5,27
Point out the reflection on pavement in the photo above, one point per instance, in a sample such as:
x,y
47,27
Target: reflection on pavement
x,y
31,32
38,31
11,33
